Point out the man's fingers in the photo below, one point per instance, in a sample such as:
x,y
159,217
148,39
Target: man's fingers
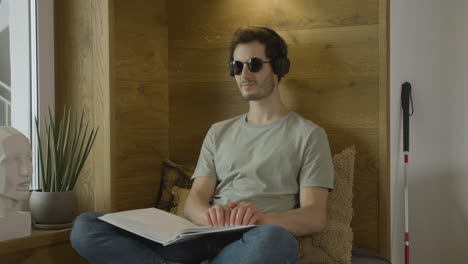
x,y
214,218
232,218
208,219
220,213
254,219
240,215
227,214
248,214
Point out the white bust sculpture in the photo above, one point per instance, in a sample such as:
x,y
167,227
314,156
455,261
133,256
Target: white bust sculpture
x,y
15,176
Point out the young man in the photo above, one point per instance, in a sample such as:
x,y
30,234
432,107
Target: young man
x,y
269,167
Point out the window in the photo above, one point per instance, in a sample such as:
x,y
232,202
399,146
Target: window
x,y
5,69
26,66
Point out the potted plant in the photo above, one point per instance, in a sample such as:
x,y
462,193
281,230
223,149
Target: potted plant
x,y
62,152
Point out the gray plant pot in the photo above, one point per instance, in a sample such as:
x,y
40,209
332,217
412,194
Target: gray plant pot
x,y
52,210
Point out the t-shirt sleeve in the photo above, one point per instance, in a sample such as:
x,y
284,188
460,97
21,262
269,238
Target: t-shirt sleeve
x,y
317,166
206,163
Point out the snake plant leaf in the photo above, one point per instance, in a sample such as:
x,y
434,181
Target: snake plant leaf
x,y
66,150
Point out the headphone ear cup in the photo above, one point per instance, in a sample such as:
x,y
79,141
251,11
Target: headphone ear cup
x,y
281,66
285,66
275,66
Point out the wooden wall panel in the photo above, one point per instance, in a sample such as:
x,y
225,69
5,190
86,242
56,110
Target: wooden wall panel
x,y
112,62
318,53
102,25
335,80
140,111
83,81
384,127
200,19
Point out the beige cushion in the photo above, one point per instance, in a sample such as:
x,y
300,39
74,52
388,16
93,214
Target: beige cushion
x,y
335,243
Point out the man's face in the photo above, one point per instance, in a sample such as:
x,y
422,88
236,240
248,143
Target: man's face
x,y
254,85
15,167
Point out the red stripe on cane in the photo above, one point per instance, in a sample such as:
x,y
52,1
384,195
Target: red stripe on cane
x,y
406,237
406,158
406,254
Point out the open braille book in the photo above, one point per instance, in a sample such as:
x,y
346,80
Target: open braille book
x,y
161,226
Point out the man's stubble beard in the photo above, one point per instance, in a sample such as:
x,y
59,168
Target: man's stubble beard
x,y
260,93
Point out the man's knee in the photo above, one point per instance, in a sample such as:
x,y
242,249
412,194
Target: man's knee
x,y
276,240
84,227
275,233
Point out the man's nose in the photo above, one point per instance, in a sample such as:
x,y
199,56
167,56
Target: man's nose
x,y
246,71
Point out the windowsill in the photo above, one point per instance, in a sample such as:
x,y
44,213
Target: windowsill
x,y
38,238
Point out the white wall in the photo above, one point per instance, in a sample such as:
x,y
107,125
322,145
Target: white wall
x,y
20,66
5,56
4,14
4,42
457,72
427,48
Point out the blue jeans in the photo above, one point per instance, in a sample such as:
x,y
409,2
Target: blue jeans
x,y
99,242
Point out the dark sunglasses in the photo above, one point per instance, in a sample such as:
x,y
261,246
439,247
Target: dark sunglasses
x,y
254,65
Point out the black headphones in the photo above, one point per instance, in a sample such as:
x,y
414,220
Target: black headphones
x,y
281,63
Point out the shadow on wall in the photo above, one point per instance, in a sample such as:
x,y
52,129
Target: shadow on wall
x,y
440,224
455,219
5,56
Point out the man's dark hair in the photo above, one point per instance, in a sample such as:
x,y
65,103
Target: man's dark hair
x,y
272,43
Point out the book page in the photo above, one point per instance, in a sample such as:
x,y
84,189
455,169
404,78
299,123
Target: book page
x,y
150,223
208,229
187,235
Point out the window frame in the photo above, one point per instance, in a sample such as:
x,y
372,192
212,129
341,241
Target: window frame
x,y
42,71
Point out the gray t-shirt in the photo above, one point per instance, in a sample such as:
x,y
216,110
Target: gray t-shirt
x,y
265,165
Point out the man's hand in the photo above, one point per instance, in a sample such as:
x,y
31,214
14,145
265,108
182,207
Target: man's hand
x,y
217,215
232,214
245,214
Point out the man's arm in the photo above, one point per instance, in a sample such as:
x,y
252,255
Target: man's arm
x,y
310,218
198,199
198,209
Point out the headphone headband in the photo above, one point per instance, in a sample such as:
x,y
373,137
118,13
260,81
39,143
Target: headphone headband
x,y
282,43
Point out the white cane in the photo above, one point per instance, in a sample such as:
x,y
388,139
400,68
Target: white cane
x,y
405,103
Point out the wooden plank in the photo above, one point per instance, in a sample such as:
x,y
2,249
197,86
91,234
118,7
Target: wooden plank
x,y
141,104
140,111
141,40
139,165
38,238
139,191
333,102
140,152
191,19
55,254
314,53
74,77
384,129
101,84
